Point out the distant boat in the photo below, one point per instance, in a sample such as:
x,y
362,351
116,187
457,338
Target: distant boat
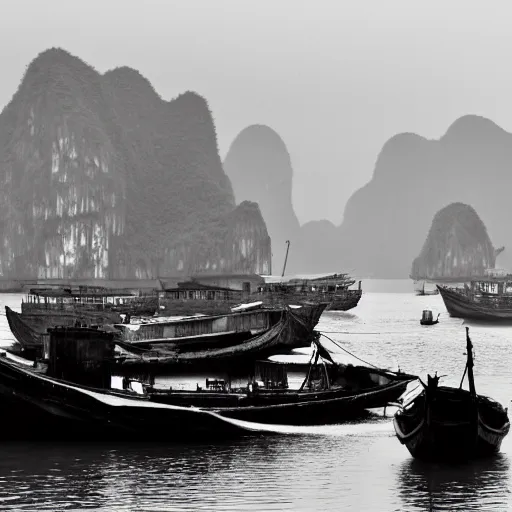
x,y
428,319
333,289
487,298
421,287
446,423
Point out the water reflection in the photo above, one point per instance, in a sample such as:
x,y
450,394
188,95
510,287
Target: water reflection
x,y
478,485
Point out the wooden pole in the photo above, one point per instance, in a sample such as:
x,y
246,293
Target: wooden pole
x,y
470,364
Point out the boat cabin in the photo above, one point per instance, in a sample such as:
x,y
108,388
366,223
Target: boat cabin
x,y
66,298
491,286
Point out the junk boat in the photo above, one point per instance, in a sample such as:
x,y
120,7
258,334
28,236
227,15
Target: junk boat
x,y
446,423
428,319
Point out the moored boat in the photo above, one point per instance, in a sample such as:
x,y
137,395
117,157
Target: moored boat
x,y
264,328
261,392
45,308
485,298
72,394
446,423
40,406
333,289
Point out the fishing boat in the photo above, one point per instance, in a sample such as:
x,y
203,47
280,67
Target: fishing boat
x,y
487,298
43,308
447,423
428,319
71,398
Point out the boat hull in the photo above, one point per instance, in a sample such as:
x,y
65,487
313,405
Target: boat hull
x,y
452,426
38,407
345,300
461,306
290,407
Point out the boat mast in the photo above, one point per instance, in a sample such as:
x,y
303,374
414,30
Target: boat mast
x,y
469,364
286,257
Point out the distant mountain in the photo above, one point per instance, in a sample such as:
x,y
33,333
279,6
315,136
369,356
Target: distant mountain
x,y
385,221
457,245
100,177
259,167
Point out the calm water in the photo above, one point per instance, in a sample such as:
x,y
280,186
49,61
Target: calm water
x,y
360,467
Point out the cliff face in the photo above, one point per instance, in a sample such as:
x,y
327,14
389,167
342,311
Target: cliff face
x,y
259,167
385,221
457,245
102,178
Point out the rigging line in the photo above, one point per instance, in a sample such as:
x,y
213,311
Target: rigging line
x,y
350,353
347,332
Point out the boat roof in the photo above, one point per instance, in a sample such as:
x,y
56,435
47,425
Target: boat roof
x,y
306,277
67,292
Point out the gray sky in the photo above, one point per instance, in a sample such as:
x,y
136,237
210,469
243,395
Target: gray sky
x,y
335,79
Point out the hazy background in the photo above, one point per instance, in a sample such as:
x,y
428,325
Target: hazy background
x,y
335,79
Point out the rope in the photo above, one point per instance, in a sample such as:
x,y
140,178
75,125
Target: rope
x,y
347,332
350,353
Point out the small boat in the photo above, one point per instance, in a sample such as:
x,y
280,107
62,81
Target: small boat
x,y
447,423
428,319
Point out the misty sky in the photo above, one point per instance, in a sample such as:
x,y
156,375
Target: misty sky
x,y
335,79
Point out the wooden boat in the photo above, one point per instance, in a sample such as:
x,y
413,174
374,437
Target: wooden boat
x,y
72,395
333,289
329,393
266,329
428,319
216,294
451,423
44,308
36,405
485,298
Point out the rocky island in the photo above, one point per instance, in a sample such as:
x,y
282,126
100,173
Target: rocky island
x,y
102,178
457,245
